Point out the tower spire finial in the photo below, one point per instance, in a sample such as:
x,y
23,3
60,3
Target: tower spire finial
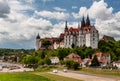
x,y
83,22
87,21
38,36
66,27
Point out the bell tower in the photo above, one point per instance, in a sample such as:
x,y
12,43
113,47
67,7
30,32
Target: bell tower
x,y
38,42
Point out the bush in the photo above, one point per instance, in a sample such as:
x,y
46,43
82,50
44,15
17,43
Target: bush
x,y
70,64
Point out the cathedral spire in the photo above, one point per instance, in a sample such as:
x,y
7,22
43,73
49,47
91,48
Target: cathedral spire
x,y
66,28
87,21
83,22
38,36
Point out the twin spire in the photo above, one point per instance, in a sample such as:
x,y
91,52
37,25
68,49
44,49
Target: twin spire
x,y
83,23
87,23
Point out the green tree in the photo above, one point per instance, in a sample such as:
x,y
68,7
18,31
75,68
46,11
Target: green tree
x,y
70,64
95,61
75,65
47,61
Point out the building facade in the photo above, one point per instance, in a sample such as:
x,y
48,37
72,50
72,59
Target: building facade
x,y
84,35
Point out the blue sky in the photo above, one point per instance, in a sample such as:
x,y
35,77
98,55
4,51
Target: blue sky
x,y
21,20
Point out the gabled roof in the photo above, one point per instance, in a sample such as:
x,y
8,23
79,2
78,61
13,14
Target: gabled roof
x,y
73,55
108,38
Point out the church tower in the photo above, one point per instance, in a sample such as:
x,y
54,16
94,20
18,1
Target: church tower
x,y
83,22
38,42
66,28
87,21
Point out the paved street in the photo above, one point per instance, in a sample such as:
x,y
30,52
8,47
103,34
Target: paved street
x,y
85,77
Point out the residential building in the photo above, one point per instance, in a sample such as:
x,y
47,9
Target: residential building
x,y
117,64
108,38
103,58
75,57
54,60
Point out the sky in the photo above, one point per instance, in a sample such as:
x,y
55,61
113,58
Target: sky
x,y
22,20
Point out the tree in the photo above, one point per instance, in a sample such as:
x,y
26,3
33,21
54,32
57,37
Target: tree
x,y
75,65
30,60
70,64
46,43
47,61
95,61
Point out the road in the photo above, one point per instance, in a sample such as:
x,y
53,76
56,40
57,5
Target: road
x,y
85,77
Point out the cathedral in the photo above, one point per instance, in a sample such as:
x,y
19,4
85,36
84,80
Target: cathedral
x,y
83,35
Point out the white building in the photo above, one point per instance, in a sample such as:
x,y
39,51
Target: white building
x,y
85,35
38,42
117,64
54,60
74,37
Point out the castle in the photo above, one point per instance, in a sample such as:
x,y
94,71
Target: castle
x,y
86,34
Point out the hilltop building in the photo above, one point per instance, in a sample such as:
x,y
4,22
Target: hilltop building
x,y
86,34
108,38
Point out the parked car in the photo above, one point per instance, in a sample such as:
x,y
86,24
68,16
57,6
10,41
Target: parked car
x,y
65,70
55,71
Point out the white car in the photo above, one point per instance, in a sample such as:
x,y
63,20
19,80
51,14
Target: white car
x,y
65,70
55,71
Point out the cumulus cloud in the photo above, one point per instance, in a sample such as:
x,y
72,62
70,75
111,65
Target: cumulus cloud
x,y
53,15
4,8
19,6
18,30
107,22
59,9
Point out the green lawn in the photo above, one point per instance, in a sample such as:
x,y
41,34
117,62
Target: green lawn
x,y
25,76
33,76
56,77
102,72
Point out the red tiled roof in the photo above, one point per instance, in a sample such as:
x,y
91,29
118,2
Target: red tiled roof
x,y
89,60
73,55
80,61
102,61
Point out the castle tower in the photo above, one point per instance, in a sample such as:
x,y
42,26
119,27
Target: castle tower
x,y
87,21
83,22
38,42
66,28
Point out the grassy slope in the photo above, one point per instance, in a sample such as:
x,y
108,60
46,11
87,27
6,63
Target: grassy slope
x,y
25,76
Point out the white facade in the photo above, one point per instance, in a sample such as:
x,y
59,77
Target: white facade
x,y
54,60
80,38
38,42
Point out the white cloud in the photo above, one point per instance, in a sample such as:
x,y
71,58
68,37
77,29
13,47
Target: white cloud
x,y
4,8
53,15
18,30
59,9
19,6
107,22
97,10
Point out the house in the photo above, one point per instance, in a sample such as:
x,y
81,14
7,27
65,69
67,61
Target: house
x,y
54,60
86,62
117,63
103,58
107,38
75,57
